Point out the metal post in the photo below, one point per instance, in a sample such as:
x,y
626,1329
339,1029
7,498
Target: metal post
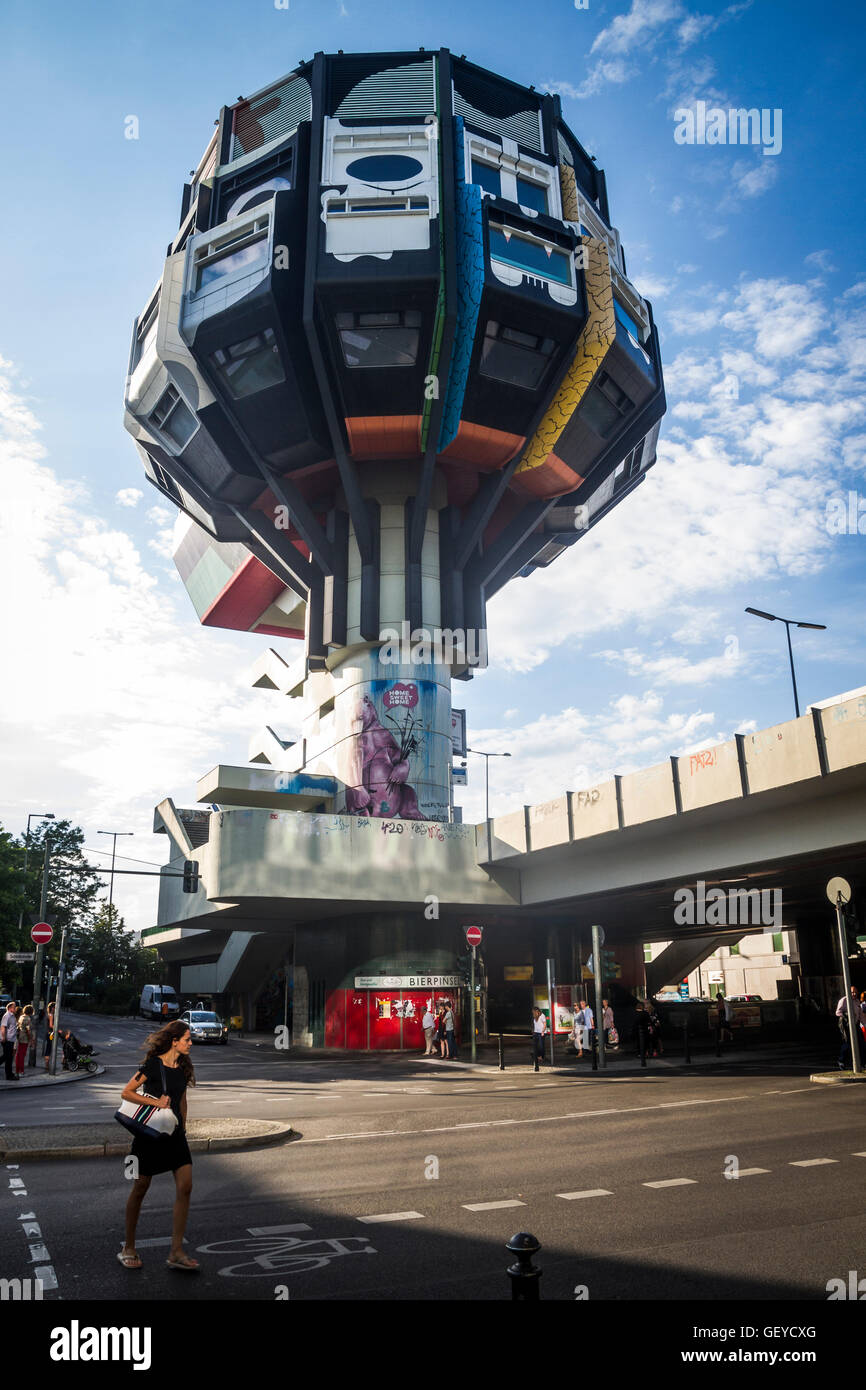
x,y
853,1026
598,972
40,949
61,970
472,1044
501,1053
550,1002
719,1039
524,1275
791,658
687,1051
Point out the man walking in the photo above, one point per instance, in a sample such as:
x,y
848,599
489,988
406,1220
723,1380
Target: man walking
x,y
428,1023
9,1038
451,1050
641,1031
539,1030
846,1056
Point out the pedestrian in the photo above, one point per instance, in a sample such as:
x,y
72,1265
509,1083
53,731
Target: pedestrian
x,y
25,1035
448,1024
655,1029
641,1031
165,1073
846,1060
588,1025
49,1034
607,1023
428,1023
440,1031
723,1018
9,1038
539,1029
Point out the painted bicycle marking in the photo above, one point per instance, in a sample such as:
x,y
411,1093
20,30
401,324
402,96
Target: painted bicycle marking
x,y
284,1254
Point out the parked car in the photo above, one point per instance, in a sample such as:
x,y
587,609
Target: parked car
x,y
205,1026
158,1001
745,999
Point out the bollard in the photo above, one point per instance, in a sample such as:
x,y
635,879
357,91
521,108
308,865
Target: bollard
x,y
501,1053
524,1275
687,1058
594,1053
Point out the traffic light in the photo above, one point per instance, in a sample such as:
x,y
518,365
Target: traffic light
x,y
190,876
610,969
852,929
464,966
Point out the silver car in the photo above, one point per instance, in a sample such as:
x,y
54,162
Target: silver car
x,y
205,1026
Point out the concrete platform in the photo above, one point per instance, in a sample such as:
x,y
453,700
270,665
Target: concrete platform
x,y
41,1078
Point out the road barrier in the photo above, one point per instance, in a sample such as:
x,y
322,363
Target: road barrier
x,y
524,1275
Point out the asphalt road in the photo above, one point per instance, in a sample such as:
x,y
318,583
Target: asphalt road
x,y
406,1180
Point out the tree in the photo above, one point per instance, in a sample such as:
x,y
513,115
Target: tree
x,y
107,962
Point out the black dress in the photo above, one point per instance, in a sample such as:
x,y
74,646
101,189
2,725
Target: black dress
x,y
162,1155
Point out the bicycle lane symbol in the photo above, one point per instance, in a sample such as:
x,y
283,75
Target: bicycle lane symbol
x,y
283,1254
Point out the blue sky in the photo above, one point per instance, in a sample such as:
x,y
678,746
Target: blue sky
x,y
635,644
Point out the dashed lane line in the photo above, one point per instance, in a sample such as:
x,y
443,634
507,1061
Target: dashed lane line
x,y
672,1182
747,1172
589,1192
393,1216
491,1206
811,1162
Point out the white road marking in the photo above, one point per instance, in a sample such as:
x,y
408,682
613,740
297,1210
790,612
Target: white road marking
x,y
39,1252
590,1192
746,1172
671,1182
811,1162
491,1206
46,1276
32,1230
860,1154
278,1230
394,1216
153,1241
13,1166
16,1182
537,1120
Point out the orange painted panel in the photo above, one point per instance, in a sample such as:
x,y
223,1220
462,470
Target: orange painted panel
x,y
553,478
384,436
482,446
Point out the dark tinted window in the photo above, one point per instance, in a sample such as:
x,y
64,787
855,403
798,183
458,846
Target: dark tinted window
x,y
387,339
531,195
605,406
250,365
515,357
487,177
531,256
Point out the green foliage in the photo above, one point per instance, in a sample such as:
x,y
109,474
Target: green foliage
x,y
108,963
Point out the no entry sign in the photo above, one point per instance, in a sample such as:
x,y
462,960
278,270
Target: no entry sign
x,y
473,936
41,933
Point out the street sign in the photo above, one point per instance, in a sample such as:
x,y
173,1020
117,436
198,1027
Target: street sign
x,y
41,933
458,733
473,936
20,957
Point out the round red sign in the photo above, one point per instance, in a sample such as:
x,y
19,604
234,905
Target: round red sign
x,y
473,936
41,933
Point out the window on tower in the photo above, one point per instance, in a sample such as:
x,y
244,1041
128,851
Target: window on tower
x,y
250,365
387,339
509,355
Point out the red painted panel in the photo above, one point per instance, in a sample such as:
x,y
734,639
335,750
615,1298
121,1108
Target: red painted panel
x,y
414,1004
335,1018
357,1003
251,590
384,1018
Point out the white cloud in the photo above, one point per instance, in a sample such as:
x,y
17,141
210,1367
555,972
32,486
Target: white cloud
x,y
116,697
128,497
823,260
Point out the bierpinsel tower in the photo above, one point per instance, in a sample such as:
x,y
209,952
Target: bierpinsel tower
x,y
392,362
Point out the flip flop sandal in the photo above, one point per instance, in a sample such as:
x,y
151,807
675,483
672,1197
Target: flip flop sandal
x,y
186,1264
129,1261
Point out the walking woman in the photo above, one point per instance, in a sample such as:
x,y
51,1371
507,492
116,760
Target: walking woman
x,y
167,1056
49,1034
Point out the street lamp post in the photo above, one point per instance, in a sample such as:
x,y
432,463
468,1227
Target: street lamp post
x,y
775,618
37,964
114,834
487,757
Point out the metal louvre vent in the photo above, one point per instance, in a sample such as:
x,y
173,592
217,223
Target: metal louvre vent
x,y
565,155
196,824
271,115
497,107
408,90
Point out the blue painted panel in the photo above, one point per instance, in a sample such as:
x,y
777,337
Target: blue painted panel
x,y
470,284
384,168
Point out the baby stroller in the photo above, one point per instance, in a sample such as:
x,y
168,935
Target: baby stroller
x,y
77,1056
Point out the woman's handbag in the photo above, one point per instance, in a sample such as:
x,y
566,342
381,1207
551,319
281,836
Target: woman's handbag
x,y
145,1120
613,1037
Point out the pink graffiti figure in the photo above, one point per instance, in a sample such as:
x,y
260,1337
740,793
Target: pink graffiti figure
x,y
384,791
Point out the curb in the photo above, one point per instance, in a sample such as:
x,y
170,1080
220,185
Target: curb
x,y
109,1150
837,1078
34,1083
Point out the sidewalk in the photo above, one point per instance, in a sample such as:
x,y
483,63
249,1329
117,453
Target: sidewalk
x,y
41,1078
110,1140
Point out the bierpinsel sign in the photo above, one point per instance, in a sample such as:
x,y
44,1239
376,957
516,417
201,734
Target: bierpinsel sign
x,y
407,981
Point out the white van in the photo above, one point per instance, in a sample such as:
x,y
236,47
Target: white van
x,y
153,997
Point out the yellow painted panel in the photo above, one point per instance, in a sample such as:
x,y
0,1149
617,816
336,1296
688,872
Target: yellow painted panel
x,y
598,334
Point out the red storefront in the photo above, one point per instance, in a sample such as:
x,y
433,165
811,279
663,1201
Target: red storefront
x,y
384,1012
